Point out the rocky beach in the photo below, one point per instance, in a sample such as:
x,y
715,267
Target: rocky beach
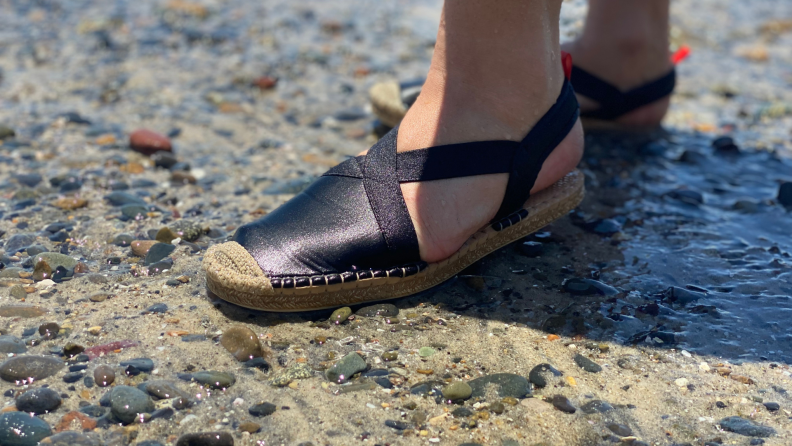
x,y
135,135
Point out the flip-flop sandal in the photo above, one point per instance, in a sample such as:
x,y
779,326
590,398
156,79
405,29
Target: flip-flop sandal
x,y
391,100
348,238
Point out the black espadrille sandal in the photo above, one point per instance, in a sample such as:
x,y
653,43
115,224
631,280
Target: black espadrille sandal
x,y
348,238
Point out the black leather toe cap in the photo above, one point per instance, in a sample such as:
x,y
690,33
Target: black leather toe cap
x,y
328,228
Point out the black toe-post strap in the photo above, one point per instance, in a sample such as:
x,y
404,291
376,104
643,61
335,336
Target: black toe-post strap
x,y
381,182
534,149
614,102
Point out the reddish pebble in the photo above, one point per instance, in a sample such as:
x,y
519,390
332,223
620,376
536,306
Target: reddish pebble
x,y
265,82
99,350
148,142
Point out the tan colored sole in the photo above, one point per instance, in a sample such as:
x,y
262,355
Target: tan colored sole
x,y
386,103
233,274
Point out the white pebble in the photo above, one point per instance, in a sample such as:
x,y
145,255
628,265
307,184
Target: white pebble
x,y
187,419
371,406
704,367
238,402
685,353
681,382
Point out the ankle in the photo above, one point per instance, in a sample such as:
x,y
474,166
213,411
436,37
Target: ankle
x,y
626,60
453,110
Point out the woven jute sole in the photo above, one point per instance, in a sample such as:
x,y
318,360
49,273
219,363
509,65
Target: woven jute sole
x,y
233,274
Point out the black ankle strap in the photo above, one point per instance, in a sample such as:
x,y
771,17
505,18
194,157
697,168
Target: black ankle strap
x,y
614,102
534,149
382,169
380,180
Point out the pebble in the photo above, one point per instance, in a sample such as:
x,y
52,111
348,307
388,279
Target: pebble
x,y
497,408
126,403
28,179
93,410
563,404
384,310
746,427
142,364
687,196
214,379
16,242
531,249
595,406
187,230
785,194
55,260
725,145
11,272
27,368
157,252
165,235
249,427
42,271
347,366
587,364
18,292
398,425
122,240
340,315
390,356
123,198
541,374
681,382
166,160
163,389
149,142
425,352
70,439
629,362
506,384
72,349
620,429
156,308
242,342
6,132
99,297
134,212
587,287
206,439
772,407
141,247
49,330
23,311
73,377
457,391
12,344
22,429
262,410
38,401
70,203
